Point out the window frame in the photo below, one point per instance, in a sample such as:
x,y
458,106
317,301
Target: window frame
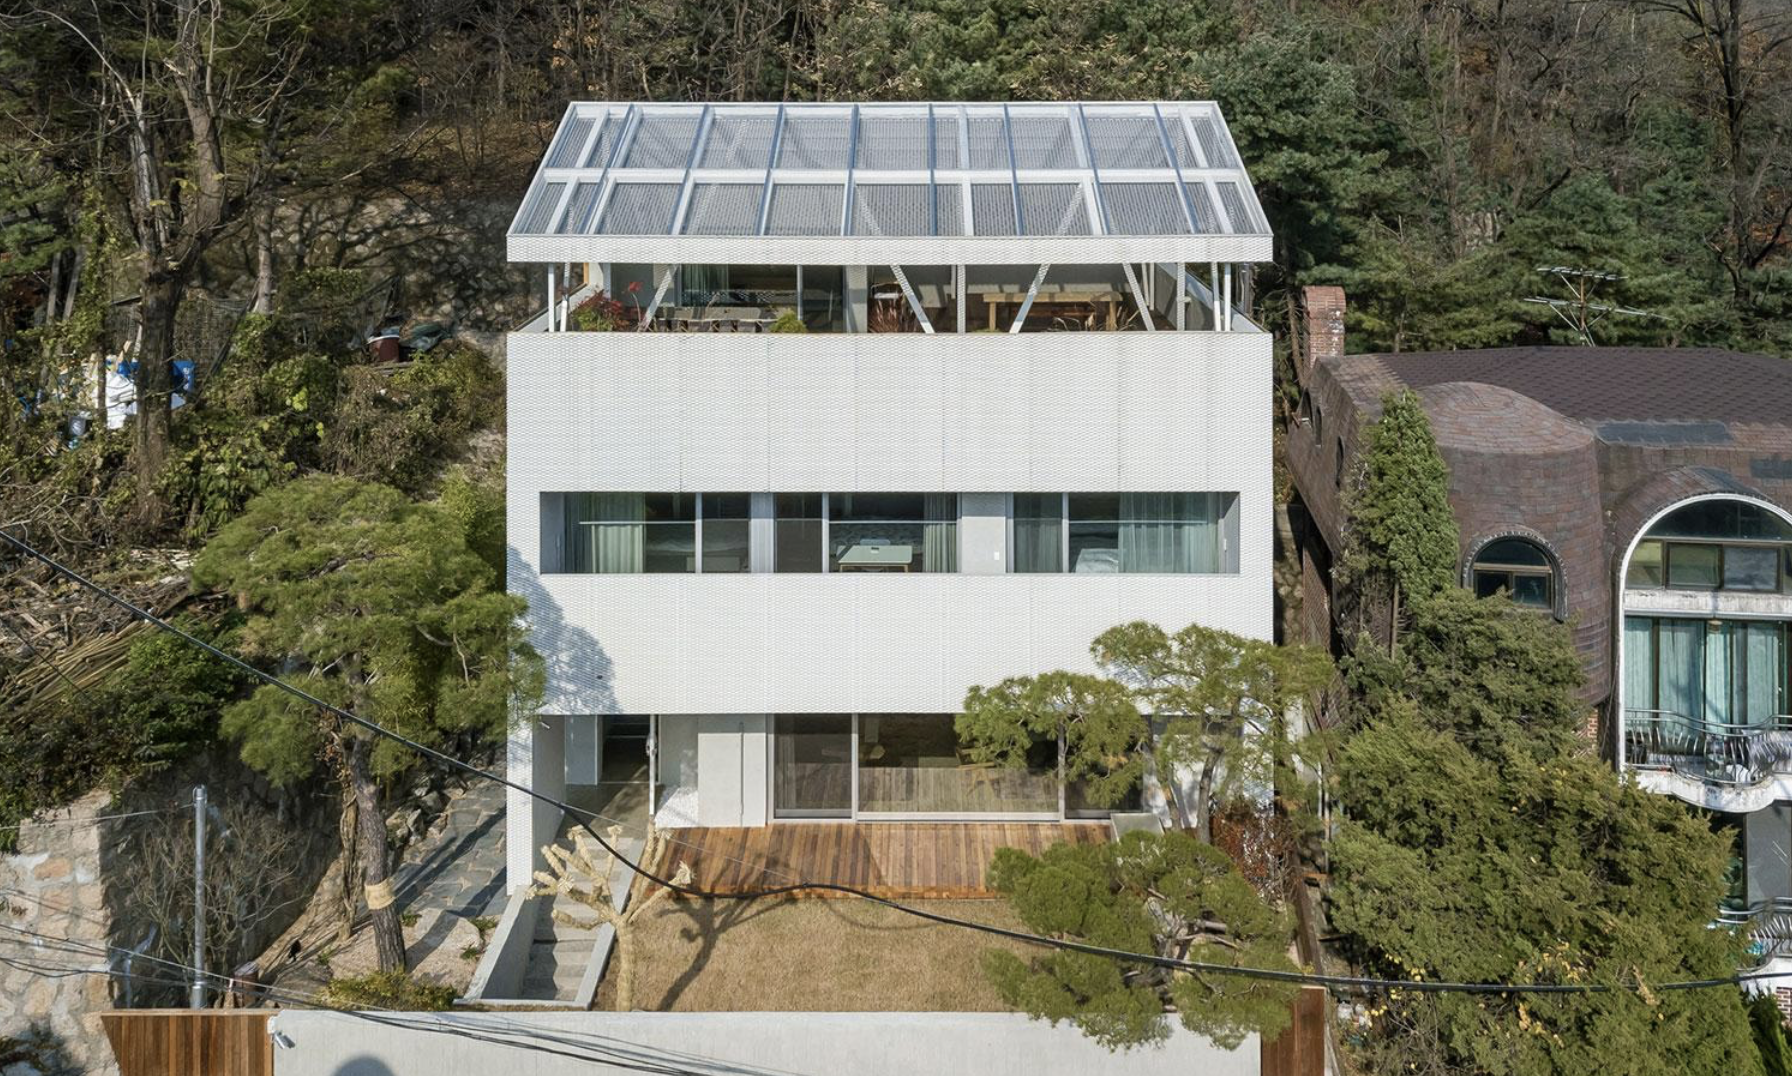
x,y
1549,571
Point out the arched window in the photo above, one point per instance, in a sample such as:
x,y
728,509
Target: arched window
x,y
1520,568
1715,545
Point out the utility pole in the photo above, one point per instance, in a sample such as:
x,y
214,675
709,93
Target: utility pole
x,y
198,897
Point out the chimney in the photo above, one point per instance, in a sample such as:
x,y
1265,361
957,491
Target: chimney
x,y
1325,322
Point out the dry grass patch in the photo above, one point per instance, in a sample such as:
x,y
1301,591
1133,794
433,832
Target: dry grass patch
x,y
811,956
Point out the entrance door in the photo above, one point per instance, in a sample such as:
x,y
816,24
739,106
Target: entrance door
x,y
812,766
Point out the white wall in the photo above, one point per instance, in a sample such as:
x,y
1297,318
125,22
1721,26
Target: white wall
x,y
536,756
982,413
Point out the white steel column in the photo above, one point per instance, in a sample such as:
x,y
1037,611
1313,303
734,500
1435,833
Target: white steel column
x,y
1138,296
1181,297
658,294
1226,306
960,289
1020,317
551,326
914,301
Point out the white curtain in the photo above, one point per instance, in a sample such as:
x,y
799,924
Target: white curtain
x,y
939,543
1169,533
605,532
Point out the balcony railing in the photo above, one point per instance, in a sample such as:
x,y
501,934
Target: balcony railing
x,y
1767,924
1730,754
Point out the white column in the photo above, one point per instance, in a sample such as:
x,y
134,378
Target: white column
x,y
551,320
536,756
858,298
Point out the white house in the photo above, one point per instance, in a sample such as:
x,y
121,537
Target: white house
x,y
1028,406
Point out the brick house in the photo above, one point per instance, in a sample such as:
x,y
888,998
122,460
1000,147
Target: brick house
x,y
1641,495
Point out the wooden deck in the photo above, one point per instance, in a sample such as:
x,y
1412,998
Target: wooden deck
x,y
910,860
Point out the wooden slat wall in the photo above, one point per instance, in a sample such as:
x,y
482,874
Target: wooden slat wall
x,y
913,860
187,1042
1300,1049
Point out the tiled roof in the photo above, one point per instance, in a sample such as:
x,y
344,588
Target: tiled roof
x,y
1601,384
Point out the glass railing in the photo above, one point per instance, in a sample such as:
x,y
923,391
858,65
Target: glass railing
x,y
1732,754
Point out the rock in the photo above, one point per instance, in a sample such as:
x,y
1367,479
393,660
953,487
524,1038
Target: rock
x,y
53,868
21,1069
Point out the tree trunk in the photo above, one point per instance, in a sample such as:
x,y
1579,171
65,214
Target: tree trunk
x,y
388,932
1204,796
154,383
264,258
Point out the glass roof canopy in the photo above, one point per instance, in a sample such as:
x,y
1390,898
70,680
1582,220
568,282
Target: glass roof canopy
x,y
920,183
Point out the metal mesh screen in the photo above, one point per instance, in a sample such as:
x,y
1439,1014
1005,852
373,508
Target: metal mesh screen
x,y
663,141
1213,143
1054,209
951,208
945,140
639,209
815,142
891,209
606,140
1237,211
1042,141
892,142
989,144
805,209
572,139
535,219
738,142
1126,142
992,208
1179,143
579,207
723,209
1207,221
1144,209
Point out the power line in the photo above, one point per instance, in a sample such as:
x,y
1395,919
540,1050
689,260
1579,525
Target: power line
x,y
96,819
609,1051
1352,982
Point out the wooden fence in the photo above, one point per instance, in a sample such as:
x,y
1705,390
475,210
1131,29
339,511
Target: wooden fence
x,y
185,1042
1300,1049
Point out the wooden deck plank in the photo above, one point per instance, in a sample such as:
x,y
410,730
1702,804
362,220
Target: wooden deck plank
x,y
894,859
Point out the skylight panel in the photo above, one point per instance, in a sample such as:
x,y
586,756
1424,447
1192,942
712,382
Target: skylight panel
x,y
805,209
1054,209
540,211
1179,143
1238,212
663,140
892,143
1144,209
945,140
992,208
579,207
950,203
989,144
891,209
738,142
567,147
815,142
1126,142
601,149
1043,141
723,209
1207,221
1214,143
639,209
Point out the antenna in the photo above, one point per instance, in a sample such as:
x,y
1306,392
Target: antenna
x,y
1580,312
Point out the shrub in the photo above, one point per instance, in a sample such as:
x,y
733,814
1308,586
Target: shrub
x,y
394,990
599,314
788,322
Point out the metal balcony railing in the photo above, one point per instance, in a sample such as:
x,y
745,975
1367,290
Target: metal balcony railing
x,y
1767,924
1730,754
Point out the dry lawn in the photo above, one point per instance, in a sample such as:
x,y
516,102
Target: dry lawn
x,y
811,956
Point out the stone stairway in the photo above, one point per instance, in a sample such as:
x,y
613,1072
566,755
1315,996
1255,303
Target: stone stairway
x,y
558,954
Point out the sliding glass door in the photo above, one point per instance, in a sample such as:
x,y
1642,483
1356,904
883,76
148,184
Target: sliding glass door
x,y
812,766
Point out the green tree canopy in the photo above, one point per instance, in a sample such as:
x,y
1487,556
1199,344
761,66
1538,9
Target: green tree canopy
x,y
1483,842
385,610
1103,732
1165,893
1400,536
1221,698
